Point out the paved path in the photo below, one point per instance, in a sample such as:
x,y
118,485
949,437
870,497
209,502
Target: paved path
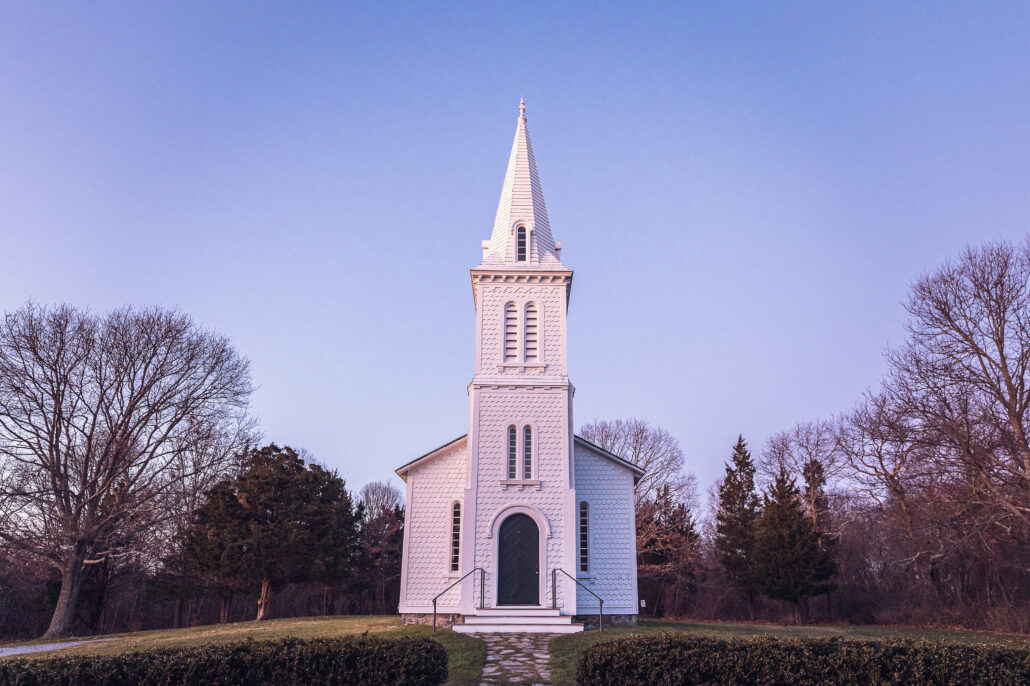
x,y
516,659
42,647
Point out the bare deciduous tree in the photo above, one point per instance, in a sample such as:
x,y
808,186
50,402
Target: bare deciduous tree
x,y
795,450
964,373
378,497
102,418
651,448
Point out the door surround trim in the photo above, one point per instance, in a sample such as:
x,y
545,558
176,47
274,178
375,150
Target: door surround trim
x,y
492,569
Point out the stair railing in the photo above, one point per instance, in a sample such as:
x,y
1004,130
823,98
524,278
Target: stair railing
x,y
554,595
482,586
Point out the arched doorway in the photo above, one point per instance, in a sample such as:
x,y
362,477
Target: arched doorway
x,y
518,561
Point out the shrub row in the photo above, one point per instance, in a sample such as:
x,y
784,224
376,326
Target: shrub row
x,y
288,662
666,659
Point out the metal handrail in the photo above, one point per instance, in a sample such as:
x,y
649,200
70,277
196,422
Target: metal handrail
x,y
482,586
554,595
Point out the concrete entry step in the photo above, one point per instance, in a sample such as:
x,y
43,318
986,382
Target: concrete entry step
x,y
518,619
517,611
517,628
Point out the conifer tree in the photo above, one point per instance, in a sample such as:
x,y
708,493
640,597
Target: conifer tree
x,y
790,562
281,521
736,519
212,548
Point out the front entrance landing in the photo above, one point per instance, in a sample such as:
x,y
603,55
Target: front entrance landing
x,y
514,619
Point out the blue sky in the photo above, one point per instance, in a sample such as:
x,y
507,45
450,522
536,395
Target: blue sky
x,y
744,191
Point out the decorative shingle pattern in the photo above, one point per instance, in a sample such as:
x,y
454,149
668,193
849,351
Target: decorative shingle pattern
x,y
543,410
608,488
550,303
435,486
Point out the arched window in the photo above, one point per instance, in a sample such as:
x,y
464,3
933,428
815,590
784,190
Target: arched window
x,y
511,333
527,452
512,451
532,347
520,244
455,536
584,537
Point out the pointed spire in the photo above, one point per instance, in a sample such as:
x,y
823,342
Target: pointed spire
x,y
521,205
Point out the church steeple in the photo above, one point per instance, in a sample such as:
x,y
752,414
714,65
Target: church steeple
x,y
522,232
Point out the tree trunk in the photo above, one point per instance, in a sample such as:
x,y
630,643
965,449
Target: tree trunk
x,y
266,592
223,610
68,600
101,574
330,605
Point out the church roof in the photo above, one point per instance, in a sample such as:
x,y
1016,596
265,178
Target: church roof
x,y
521,204
637,471
403,469
580,441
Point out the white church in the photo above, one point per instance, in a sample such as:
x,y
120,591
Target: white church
x,y
520,525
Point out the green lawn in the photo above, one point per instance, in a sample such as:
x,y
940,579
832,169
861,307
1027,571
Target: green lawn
x,y
565,650
466,655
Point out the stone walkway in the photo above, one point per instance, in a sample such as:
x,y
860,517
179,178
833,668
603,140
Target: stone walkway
x,y
516,659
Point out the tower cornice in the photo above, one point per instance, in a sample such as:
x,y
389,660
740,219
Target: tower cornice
x,y
517,276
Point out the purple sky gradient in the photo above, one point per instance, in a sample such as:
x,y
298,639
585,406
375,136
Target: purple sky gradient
x,y
744,192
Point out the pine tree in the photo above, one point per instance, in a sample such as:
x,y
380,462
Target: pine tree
x,y
790,562
736,519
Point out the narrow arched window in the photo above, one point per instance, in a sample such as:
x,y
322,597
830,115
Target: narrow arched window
x,y
511,332
584,537
532,345
512,451
455,536
520,244
527,452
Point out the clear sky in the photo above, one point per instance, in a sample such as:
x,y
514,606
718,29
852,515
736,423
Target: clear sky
x,y
744,190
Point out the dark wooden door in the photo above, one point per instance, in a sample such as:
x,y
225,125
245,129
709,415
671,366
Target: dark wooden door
x,y
518,561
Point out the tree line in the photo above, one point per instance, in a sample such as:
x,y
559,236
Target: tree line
x,y
913,506
133,494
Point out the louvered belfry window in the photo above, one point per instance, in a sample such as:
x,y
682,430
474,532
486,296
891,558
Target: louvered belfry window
x,y
455,536
511,332
520,244
512,451
532,335
527,452
584,537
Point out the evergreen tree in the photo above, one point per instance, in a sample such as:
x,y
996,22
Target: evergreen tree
x,y
790,562
212,548
669,569
382,536
736,519
281,521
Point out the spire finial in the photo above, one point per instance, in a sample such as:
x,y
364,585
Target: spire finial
x,y
522,108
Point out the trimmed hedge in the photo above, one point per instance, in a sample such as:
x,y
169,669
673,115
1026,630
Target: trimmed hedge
x,y
287,662
667,659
